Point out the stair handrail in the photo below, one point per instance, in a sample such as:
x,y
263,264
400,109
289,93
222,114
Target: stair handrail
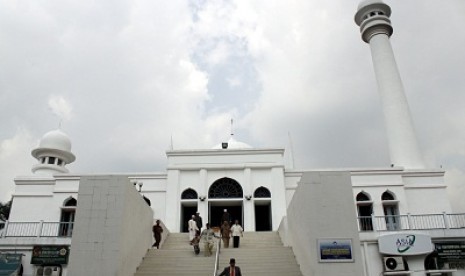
x,y
217,256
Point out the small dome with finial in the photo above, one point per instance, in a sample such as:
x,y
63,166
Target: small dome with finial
x,y
53,153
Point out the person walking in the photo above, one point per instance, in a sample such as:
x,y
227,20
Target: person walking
x,y
237,232
207,237
225,232
226,217
232,269
192,227
195,243
198,220
157,230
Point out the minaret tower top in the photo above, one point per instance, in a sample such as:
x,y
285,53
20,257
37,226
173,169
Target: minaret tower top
x,y
53,153
375,27
373,18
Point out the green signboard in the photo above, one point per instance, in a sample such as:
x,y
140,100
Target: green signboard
x,y
451,251
50,254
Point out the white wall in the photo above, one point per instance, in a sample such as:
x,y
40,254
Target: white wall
x,y
321,204
113,228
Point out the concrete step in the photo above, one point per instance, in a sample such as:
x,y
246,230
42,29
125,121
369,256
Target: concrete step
x,y
259,253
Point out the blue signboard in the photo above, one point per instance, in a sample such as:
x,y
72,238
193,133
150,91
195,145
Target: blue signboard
x,y
10,263
335,250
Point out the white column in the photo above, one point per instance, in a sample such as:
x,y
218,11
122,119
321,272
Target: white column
x,y
173,202
202,206
375,26
278,197
248,206
403,147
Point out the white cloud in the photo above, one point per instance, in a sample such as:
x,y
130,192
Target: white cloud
x,y
15,159
60,107
128,75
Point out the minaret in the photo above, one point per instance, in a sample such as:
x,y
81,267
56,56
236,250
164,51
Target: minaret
x,y
53,153
373,18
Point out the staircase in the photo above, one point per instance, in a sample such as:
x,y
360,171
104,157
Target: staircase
x,y
259,254
176,258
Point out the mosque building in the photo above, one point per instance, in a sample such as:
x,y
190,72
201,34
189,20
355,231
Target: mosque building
x,y
393,220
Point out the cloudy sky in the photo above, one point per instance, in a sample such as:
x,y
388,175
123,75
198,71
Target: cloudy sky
x,y
128,79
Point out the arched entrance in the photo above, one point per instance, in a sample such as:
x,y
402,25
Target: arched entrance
x,y
225,193
262,203
188,207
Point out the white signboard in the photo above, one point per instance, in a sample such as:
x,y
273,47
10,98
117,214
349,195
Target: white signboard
x,y
405,244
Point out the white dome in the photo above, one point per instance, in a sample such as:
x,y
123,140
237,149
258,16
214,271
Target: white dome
x,y
233,144
56,144
55,139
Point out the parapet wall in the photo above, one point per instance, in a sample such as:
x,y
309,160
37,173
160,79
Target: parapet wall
x,y
322,210
112,229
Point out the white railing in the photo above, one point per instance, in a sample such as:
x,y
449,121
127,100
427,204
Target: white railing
x,y
411,222
36,229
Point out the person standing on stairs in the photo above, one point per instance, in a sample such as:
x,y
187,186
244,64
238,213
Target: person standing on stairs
x,y
237,232
207,236
195,243
192,227
225,232
232,269
157,230
198,220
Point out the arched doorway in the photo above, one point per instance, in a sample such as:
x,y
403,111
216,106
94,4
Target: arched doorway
x,y
225,193
262,203
188,207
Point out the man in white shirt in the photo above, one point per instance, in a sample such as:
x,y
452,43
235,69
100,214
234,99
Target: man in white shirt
x,y
237,232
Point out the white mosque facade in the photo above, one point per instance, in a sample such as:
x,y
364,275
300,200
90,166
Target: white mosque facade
x,y
394,220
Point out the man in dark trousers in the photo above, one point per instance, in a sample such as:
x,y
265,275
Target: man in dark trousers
x,y
232,269
198,221
157,230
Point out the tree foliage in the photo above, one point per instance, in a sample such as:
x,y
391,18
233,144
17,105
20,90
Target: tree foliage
x,y
5,210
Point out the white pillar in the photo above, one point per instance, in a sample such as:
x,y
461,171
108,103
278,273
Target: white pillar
x,y
375,27
173,202
202,206
248,206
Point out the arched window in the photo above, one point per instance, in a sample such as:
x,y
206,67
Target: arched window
x,y
262,192
225,188
391,211
68,212
70,202
387,196
365,210
189,194
362,196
